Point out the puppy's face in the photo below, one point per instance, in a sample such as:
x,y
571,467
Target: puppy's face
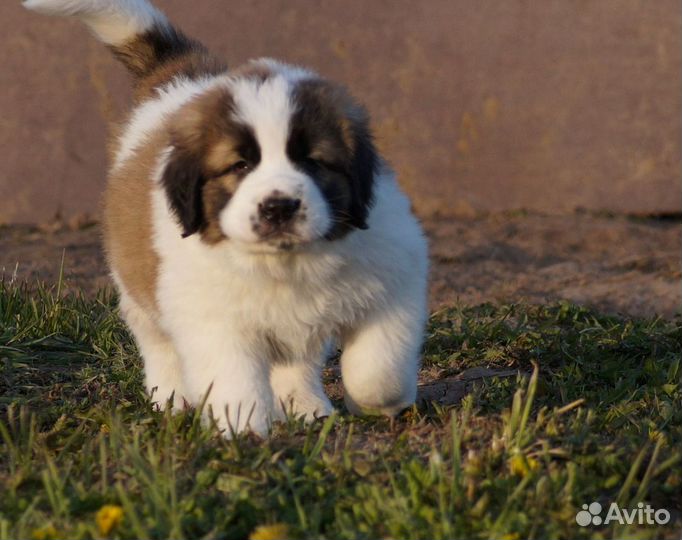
x,y
270,161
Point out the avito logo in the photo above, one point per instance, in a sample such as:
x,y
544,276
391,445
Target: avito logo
x,y
642,515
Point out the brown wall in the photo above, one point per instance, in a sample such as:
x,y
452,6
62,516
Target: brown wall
x,y
480,105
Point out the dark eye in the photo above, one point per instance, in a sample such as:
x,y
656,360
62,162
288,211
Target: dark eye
x,y
318,163
240,167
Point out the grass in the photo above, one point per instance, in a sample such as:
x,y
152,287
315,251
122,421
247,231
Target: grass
x,y
595,414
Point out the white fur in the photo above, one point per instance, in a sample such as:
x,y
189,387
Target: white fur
x,y
219,304
162,368
297,388
114,22
152,113
267,107
267,179
367,290
290,72
249,327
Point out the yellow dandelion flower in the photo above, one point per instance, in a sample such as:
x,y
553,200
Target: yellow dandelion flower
x,y
108,517
510,536
522,466
48,532
276,531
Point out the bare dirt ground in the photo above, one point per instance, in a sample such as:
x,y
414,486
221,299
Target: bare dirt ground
x,y
613,264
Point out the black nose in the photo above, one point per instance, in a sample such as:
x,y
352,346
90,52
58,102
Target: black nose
x,y
278,210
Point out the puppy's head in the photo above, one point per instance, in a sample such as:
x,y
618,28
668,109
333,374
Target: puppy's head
x,y
274,158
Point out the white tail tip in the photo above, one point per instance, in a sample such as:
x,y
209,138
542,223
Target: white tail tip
x,y
114,22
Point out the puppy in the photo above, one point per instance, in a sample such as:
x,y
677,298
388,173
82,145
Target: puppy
x,y
250,224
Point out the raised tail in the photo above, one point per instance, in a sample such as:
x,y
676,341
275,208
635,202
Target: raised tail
x,y
139,35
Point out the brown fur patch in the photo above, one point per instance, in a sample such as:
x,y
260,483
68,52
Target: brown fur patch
x,y
161,53
191,65
204,119
220,155
207,141
128,224
216,193
128,212
253,70
347,133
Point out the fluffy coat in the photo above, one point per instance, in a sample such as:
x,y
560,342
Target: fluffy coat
x,y
250,226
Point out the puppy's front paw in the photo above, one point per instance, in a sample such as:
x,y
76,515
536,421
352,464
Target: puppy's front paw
x,y
309,405
389,407
235,418
163,397
298,390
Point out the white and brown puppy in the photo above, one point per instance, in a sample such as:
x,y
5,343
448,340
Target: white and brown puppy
x,y
249,224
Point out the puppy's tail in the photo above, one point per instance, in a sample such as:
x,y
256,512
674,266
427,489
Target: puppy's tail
x,y
139,34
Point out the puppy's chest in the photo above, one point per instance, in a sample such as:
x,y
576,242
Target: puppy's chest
x,y
298,308
287,308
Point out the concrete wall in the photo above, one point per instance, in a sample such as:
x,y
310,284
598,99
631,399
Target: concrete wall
x,y
481,105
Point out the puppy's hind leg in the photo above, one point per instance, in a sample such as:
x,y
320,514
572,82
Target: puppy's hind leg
x,y
162,367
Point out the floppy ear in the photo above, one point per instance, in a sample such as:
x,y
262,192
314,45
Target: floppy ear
x,y
183,180
363,167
